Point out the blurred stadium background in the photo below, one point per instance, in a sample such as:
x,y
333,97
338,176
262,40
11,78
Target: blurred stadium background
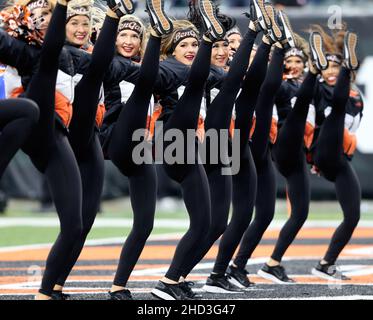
x,y
27,215
22,181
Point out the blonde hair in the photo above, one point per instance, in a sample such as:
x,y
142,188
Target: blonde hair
x,y
302,44
168,41
130,17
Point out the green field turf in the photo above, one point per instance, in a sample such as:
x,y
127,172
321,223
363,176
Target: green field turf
x,y
24,235
328,210
15,236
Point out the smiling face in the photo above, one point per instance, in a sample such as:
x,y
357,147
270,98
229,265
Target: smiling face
x,y
330,75
295,65
186,51
128,43
77,30
220,53
41,18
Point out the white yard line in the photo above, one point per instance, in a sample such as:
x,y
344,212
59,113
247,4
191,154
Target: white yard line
x,y
366,251
160,223
98,242
99,223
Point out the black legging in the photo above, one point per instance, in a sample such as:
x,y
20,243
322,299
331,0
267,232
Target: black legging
x,y
264,210
83,138
142,178
87,91
219,113
264,107
334,166
51,153
221,185
18,117
91,168
246,101
266,182
290,159
245,182
192,177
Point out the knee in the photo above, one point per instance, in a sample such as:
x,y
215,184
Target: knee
x,y
200,229
303,219
240,225
77,231
204,228
217,230
143,232
121,161
298,219
72,233
262,223
320,155
86,229
352,221
327,164
31,112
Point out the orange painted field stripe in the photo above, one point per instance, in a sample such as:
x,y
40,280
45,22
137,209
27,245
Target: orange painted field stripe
x,y
163,252
316,251
33,291
13,279
113,267
21,279
254,278
321,233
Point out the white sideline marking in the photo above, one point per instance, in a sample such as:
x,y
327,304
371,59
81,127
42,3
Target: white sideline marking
x,y
354,297
99,223
163,223
357,271
367,251
98,242
36,284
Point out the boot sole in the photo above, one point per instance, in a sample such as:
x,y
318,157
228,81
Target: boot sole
x,y
156,10
214,289
272,278
128,5
289,34
317,47
275,28
263,16
208,11
239,285
351,47
161,295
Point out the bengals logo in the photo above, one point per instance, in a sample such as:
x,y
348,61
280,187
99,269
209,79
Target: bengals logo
x,y
38,4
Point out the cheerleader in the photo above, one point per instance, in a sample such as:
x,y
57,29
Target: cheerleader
x,y
339,107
